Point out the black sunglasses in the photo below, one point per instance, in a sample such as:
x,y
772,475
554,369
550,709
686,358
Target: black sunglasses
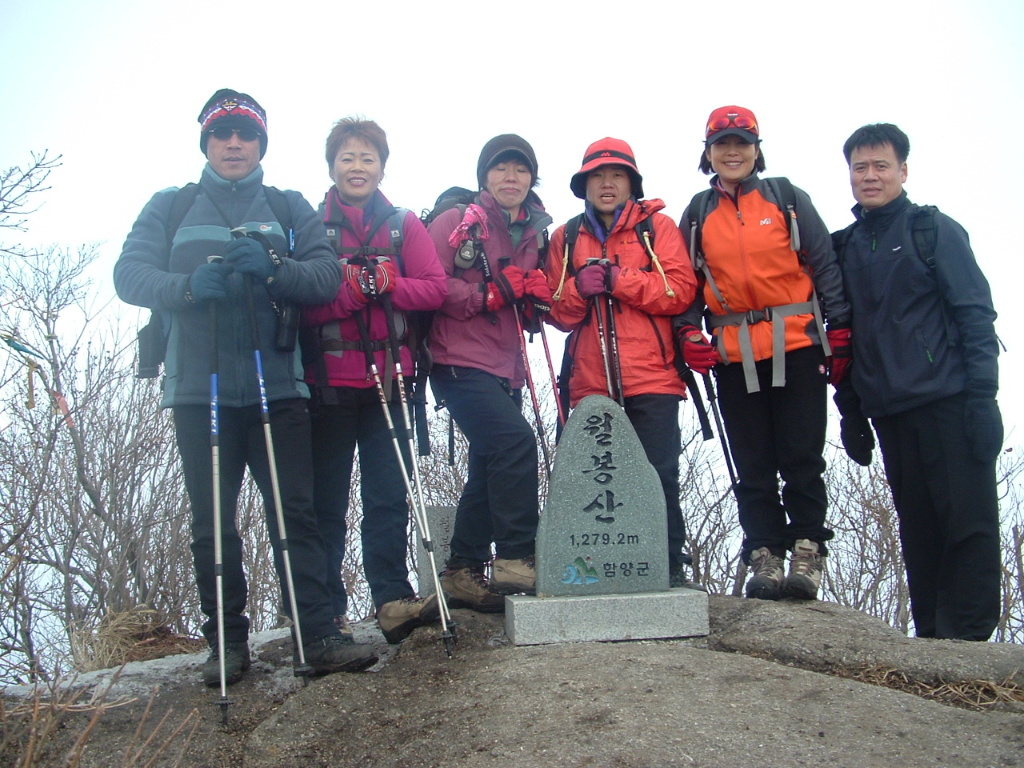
x,y
223,133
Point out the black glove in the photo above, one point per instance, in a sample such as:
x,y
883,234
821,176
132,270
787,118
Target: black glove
x,y
984,428
858,439
247,256
209,282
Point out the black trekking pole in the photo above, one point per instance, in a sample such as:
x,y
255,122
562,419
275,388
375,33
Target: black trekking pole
x,y
595,305
613,343
713,401
415,497
218,533
302,670
686,374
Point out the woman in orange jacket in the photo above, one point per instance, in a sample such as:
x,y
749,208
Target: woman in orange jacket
x,y
613,278
769,280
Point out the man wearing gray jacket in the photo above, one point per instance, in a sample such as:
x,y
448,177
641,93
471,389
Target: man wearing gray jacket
x,y
220,299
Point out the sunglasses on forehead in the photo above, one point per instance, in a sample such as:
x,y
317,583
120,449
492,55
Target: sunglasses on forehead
x,y
223,133
738,121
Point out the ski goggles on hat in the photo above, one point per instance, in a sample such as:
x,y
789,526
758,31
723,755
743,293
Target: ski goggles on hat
x,y
743,122
224,133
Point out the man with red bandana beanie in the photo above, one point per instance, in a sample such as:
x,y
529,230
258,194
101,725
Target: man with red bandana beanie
x,y
175,274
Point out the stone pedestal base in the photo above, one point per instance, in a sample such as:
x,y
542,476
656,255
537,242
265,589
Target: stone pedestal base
x,y
643,616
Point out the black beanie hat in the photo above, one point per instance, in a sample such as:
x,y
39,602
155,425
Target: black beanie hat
x,y
232,110
499,148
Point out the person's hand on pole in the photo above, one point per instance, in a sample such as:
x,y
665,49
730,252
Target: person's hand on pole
x,y
697,351
381,276
591,280
506,287
248,257
209,282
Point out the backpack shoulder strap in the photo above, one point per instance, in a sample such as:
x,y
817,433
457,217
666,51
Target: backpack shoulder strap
x,y
396,227
698,210
570,235
278,202
183,200
785,196
922,229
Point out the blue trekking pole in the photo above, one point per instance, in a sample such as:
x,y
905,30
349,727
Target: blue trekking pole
x,y
302,669
218,533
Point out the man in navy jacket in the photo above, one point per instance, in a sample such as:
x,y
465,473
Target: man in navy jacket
x,y
925,372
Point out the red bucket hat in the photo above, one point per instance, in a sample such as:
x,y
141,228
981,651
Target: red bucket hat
x,y
731,121
607,151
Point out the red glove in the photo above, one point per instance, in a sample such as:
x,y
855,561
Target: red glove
x,y
537,290
381,276
591,280
697,351
504,289
842,354
357,282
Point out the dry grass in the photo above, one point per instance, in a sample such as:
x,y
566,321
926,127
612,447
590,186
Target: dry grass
x,y
977,695
141,634
36,733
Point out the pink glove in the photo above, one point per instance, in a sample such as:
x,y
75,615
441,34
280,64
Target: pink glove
x,y
590,281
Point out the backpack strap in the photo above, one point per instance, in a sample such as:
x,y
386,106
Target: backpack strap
x,y
570,234
184,198
922,230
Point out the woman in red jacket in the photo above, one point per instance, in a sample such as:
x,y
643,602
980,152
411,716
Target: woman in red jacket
x,y
347,410
647,285
768,281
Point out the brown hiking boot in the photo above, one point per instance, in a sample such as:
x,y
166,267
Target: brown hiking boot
x,y
805,569
468,587
398,618
517,576
341,622
768,575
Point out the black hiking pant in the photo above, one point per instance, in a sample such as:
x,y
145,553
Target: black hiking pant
x,y
778,432
949,520
499,502
242,444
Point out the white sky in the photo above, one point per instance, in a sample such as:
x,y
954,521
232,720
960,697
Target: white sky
x,y
115,86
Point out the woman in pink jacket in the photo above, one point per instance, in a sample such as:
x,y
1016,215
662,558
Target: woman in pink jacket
x,y
386,252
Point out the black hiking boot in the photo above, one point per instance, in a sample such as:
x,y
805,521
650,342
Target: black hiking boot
x,y
678,578
236,661
336,653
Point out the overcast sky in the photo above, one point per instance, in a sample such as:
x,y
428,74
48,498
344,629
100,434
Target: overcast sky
x,y
115,86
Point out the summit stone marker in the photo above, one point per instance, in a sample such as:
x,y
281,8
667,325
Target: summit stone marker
x,y
603,530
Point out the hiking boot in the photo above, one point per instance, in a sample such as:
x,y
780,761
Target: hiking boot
x,y
678,578
768,575
335,653
341,622
236,661
398,618
805,568
512,577
468,587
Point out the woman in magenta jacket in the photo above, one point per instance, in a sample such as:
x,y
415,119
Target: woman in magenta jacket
x,y
385,251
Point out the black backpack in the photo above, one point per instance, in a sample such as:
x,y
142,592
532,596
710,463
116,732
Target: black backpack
x,y
152,338
452,197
